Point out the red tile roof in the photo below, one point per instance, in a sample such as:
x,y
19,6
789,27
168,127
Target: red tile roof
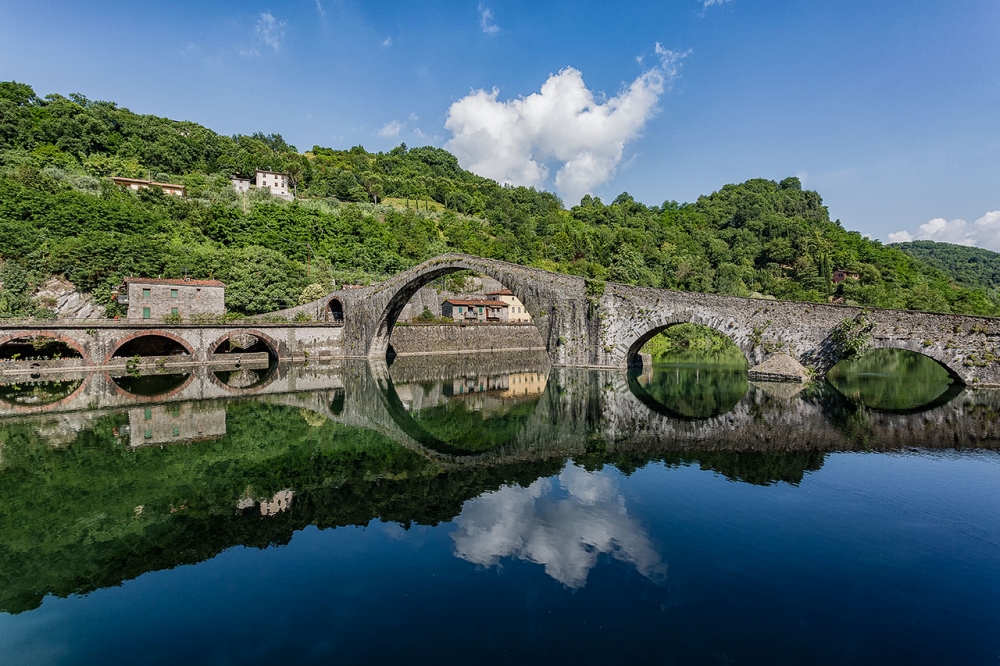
x,y
184,283
498,304
501,292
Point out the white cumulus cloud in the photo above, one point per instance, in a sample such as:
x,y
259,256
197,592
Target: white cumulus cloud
x,y
564,527
984,232
270,30
514,141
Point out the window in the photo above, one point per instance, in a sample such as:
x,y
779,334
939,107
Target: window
x,y
145,313
177,431
459,309
148,413
480,310
145,293
173,312
173,293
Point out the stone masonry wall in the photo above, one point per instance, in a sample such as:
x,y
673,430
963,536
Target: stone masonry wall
x,y
414,340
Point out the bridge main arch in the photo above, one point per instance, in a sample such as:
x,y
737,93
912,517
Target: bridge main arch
x,y
392,296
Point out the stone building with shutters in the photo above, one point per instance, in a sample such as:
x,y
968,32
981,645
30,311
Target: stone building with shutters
x,y
159,298
475,310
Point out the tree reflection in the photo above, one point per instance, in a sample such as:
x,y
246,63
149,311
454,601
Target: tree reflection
x,y
894,380
693,389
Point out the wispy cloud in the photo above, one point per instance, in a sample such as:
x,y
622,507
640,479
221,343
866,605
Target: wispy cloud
x,y
319,9
984,232
390,129
251,52
709,3
387,42
512,141
270,31
487,22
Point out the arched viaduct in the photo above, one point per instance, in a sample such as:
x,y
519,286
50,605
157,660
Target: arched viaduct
x,y
585,323
581,323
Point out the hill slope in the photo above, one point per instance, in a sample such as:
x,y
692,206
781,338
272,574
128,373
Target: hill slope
x,y
973,267
61,215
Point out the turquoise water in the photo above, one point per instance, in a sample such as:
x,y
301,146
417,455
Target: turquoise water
x,y
378,518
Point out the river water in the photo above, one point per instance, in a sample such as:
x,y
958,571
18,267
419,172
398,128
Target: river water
x,y
496,510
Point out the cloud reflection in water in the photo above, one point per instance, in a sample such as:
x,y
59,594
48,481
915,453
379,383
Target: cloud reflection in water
x,y
564,524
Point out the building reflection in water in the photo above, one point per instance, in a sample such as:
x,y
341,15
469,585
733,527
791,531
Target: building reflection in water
x,y
480,392
279,503
156,425
564,524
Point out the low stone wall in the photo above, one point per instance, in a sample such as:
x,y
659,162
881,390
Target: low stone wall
x,y
421,340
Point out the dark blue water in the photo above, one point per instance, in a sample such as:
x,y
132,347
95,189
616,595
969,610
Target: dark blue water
x,y
882,556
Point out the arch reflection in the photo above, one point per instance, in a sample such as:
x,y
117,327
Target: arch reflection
x,y
894,381
696,389
150,386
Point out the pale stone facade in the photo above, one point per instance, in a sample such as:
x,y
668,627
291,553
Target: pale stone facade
x,y
157,298
474,310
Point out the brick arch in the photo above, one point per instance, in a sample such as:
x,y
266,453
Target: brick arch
x,y
627,353
35,409
270,379
149,398
401,288
156,332
75,344
271,343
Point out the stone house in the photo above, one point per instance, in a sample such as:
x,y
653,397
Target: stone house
x,y
517,313
139,184
474,310
158,298
840,275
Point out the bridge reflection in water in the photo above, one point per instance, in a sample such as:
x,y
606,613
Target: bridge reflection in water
x,y
179,468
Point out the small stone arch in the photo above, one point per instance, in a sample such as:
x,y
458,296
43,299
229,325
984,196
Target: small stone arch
x,y
274,348
628,356
335,310
70,342
155,333
945,359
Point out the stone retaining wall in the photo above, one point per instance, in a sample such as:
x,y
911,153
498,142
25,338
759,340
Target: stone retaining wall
x,y
420,340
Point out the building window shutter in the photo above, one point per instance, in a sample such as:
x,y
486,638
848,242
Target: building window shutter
x,y
145,293
145,313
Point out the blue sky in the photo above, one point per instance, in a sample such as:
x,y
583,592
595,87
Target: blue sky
x,y
890,110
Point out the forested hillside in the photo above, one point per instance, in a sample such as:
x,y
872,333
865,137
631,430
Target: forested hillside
x,y
61,215
974,267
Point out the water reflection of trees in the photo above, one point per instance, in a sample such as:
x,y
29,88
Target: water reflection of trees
x,y
38,393
689,390
894,380
97,512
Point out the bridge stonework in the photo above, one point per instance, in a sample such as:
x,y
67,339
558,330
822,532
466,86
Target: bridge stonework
x,y
581,324
603,325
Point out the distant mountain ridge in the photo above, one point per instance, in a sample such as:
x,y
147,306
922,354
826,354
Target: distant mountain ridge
x,y
973,267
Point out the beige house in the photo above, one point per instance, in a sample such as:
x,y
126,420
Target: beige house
x,y
157,298
475,310
276,182
241,185
139,184
516,312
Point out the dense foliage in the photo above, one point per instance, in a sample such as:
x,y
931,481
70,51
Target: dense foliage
x,y
973,267
61,215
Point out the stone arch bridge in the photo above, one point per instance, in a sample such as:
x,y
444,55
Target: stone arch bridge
x,y
581,323
585,323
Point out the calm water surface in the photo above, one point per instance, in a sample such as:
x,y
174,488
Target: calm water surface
x,y
500,511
